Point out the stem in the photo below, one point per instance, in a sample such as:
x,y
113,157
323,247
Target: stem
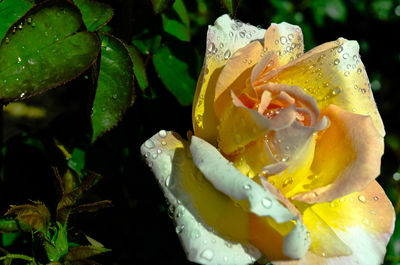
x,y
17,256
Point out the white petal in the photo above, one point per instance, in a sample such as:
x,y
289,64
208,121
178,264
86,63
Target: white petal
x,y
229,180
201,244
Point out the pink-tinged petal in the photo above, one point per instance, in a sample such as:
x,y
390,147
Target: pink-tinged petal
x,y
223,40
265,100
234,76
347,156
286,40
268,62
364,221
334,74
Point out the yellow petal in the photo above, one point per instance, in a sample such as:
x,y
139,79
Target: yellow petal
x,y
347,156
223,40
334,74
286,40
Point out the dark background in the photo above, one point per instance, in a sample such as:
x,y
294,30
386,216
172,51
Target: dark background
x,y
138,229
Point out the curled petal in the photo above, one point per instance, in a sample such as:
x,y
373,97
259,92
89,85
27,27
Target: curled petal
x,y
226,33
364,221
190,196
226,178
347,156
334,74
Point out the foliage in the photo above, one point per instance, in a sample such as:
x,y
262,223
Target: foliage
x,y
85,82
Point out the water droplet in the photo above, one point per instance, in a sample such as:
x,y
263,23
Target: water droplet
x,y
333,204
234,27
276,42
287,181
167,181
154,155
114,96
242,34
373,212
359,70
29,20
149,144
323,254
365,221
336,61
22,95
247,186
159,151
163,142
207,254
362,90
342,199
345,56
315,194
361,198
195,234
179,229
231,34
227,54
308,235
340,49
20,26
171,210
346,73
290,36
267,203
19,59
248,35
211,47
221,45
284,159
7,40
376,198
33,24
336,91
283,40
227,244
14,30
162,133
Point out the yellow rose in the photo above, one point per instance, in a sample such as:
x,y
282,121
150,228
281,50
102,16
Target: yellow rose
x,y
285,152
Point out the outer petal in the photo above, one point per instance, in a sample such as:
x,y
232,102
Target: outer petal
x,y
226,178
334,74
363,220
286,40
191,196
223,40
347,156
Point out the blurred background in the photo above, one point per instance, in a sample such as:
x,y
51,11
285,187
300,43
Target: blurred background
x,y
170,40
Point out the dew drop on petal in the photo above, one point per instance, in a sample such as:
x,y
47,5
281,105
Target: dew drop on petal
x,y
231,34
361,198
207,254
267,203
340,49
336,61
227,54
247,186
162,134
346,73
242,34
283,39
345,56
179,229
149,144
376,198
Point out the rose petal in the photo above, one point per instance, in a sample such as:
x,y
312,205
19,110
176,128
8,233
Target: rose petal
x,y
191,196
347,156
286,40
363,220
226,178
229,33
334,74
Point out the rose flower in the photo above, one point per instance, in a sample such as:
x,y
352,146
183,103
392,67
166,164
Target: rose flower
x,y
284,156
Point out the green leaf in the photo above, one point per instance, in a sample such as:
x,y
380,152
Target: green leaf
x,y
95,14
382,9
84,252
8,239
176,22
58,245
147,44
10,12
160,5
335,9
174,72
46,52
77,160
35,215
114,92
230,5
11,226
138,67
